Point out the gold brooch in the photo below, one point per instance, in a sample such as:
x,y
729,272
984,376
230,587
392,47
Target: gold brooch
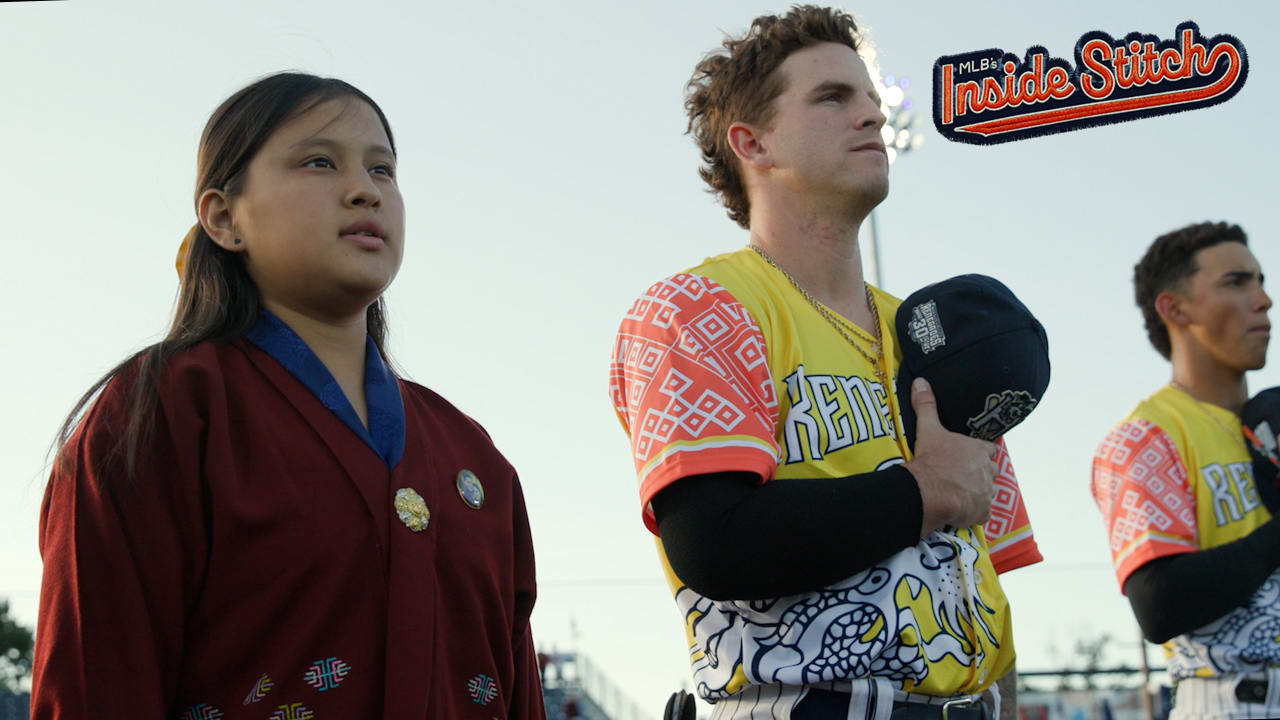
x,y
412,509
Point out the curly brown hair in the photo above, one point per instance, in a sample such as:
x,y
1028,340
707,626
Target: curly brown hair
x,y
737,83
1167,264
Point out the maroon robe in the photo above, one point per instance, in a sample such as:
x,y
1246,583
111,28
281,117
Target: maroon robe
x,y
255,566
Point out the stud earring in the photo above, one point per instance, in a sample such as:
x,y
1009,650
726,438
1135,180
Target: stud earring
x,y
237,241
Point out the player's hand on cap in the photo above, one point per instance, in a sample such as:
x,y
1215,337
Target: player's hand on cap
x,y
955,473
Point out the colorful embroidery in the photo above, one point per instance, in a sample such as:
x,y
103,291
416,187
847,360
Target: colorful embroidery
x,y
292,711
483,689
260,689
326,674
203,711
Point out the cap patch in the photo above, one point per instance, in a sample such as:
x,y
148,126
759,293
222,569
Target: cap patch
x,y
926,328
1003,411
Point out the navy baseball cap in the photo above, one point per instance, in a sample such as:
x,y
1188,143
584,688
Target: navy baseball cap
x,y
1261,417
983,352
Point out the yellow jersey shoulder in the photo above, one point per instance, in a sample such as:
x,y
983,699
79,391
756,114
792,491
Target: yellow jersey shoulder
x,y
752,282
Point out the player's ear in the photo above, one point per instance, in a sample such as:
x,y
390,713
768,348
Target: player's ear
x,y
745,141
1171,308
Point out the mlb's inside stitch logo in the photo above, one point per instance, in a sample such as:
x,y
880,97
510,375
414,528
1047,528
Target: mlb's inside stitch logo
x,y
326,674
989,96
483,689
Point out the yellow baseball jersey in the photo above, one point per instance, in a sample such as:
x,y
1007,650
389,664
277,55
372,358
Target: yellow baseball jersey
x,y
727,367
1175,477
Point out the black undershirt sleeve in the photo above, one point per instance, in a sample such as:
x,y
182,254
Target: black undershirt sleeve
x,y
729,537
1264,478
1177,594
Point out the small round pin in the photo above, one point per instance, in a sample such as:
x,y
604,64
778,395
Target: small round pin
x,y
470,489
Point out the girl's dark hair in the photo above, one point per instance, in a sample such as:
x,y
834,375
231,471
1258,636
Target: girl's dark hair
x,y
218,300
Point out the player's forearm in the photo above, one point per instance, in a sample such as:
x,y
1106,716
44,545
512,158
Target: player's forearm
x,y
1177,594
729,537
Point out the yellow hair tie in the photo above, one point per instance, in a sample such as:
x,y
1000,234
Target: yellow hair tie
x,y
185,249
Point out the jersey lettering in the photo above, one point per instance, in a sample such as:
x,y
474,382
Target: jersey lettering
x,y
852,386
798,418
826,391
882,403
833,400
1226,507
1242,479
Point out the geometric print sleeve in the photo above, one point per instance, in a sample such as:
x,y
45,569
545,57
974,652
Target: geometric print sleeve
x,y
1009,537
1140,486
691,385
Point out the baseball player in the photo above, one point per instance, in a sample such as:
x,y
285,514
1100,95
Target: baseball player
x,y
818,574
1195,550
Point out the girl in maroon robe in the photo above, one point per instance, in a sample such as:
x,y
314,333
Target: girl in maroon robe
x,y
256,518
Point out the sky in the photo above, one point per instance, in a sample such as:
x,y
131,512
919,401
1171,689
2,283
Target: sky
x,y
548,181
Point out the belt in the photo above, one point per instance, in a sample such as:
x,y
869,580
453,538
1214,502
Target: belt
x,y
823,704
1252,691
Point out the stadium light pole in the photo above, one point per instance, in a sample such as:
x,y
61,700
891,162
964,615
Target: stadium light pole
x,y
900,137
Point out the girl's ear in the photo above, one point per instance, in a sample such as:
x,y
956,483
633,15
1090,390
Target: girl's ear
x,y
214,213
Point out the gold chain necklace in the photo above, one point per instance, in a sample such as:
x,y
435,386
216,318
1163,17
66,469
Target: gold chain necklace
x,y
840,325
1244,430
1214,418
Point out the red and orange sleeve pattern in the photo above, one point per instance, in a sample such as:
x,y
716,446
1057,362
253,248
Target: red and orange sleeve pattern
x,y
1009,537
691,384
1140,486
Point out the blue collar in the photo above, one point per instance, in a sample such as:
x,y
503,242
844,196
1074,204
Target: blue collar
x,y
385,434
